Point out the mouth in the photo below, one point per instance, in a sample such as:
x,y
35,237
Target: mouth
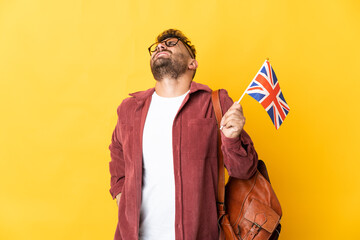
x,y
161,54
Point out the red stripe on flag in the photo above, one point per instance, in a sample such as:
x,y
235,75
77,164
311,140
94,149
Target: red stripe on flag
x,y
284,106
255,88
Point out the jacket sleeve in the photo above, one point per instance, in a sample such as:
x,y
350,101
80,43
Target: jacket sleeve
x,y
117,164
240,157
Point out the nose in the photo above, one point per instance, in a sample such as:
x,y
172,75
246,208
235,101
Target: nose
x,y
160,47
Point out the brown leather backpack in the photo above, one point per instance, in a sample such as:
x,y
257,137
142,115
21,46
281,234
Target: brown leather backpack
x,y
251,209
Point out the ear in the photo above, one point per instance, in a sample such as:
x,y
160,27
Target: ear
x,y
193,64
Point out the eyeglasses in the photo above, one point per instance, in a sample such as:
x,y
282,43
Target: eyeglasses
x,y
170,42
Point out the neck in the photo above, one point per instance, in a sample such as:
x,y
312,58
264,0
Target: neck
x,y
169,87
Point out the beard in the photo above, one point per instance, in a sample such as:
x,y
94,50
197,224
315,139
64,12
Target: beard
x,y
172,67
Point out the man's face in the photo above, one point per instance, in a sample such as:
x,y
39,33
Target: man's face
x,y
169,61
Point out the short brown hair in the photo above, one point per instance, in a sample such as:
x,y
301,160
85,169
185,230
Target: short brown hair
x,y
174,33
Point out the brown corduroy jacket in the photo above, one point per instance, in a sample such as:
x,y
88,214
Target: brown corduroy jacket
x,y
195,163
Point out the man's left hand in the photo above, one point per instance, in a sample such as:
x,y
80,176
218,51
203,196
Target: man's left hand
x,y
233,121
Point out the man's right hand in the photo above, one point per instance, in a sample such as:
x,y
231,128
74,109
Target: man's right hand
x,y
118,199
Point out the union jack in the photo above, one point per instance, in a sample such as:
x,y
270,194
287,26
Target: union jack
x,y
265,89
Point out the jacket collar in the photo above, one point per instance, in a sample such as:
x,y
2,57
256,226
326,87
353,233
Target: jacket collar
x,y
141,96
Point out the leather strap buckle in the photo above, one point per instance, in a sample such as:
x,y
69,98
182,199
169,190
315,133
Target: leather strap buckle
x,y
254,230
257,225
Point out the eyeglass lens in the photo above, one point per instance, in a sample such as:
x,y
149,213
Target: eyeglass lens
x,y
169,43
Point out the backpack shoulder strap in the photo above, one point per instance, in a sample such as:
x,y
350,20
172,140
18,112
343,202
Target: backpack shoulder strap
x,y
221,176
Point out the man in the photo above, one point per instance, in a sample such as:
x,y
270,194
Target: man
x,y
164,150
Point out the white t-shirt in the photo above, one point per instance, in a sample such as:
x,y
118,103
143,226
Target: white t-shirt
x,y
157,212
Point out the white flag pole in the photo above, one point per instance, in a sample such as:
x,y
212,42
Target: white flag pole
x,y
267,59
243,94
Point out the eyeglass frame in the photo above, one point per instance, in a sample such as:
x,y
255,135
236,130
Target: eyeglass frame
x,y
188,48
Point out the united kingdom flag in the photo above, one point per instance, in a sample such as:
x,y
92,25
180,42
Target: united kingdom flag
x,y
266,90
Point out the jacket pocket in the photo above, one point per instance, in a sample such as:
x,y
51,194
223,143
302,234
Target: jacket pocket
x,y
200,137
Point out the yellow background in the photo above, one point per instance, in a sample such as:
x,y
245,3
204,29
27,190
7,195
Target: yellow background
x,y
66,65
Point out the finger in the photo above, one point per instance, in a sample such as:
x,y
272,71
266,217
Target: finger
x,y
232,125
236,106
231,114
235,121
234,109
